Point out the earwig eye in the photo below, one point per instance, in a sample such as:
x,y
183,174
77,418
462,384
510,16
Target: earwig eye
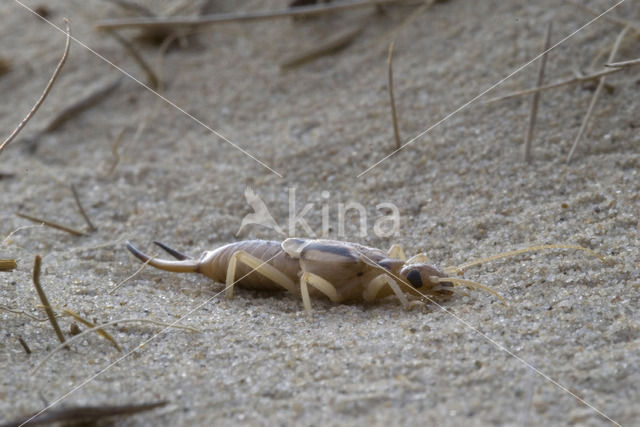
x,y
414,278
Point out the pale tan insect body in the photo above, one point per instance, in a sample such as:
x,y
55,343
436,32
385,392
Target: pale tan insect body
x,y
339,271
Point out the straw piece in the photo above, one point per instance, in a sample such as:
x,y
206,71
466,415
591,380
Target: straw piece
x,y
47,89
536,98
43,298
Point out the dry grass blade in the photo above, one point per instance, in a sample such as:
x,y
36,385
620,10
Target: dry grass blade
x,y
21,312
82,105
85,415
110,24
152,77
623,63
566,82
100,332
330,46
114,152
74,110
8,264
5,65
392,101
528,140
122,283
114,322
47,89
43,298
76,197
596,94
612,18
393,32
24,345
50,224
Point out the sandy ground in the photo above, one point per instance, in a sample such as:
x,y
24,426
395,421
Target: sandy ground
x,y
462,191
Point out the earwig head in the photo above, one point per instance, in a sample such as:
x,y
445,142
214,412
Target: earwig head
x,y
423,278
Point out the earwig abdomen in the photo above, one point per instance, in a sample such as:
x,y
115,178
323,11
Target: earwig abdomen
x,y
214,264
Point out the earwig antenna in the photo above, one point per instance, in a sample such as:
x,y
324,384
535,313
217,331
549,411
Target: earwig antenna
x,y
460,268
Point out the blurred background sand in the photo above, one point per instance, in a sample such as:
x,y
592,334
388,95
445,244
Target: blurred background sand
x,y
462,191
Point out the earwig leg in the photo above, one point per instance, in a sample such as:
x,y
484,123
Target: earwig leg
x,y
396,251
322,285
377,283
419,258
258,266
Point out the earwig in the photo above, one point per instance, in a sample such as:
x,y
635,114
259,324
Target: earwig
x,y
339,271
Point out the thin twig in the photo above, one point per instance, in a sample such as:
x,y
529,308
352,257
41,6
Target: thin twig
x,y
114,322
81,209
121,284
47,89
536,98
83,104
8,264
85,415
152,77
394,117
572,80
624,63
392,33
114,151
85,322
132,6
596,94
15,311
75,109
612,18
328,47
110,24
43,298
24,345
5,65
51,224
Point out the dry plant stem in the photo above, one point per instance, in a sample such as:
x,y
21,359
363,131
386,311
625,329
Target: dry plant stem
x,y
24,345
50,224
110,24
121,284
15,311
8,264
82,105
572,80
100,332
85,415
393,32
43,298
114,322
47,89
114,151
612,18
152,77
81,209
624,63
333,45
392,101
536,98
595,96
132,6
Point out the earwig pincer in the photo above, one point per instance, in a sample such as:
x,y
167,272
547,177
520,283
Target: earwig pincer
x,y
339,271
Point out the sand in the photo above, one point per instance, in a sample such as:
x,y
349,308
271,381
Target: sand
x,y
570,335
